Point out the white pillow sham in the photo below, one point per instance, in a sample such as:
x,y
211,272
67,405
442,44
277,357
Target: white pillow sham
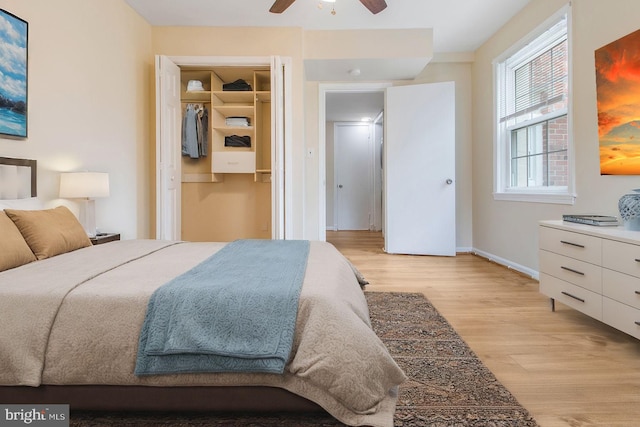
x,y
27,204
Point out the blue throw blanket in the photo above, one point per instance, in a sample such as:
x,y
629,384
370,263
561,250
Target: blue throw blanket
x,y
234,312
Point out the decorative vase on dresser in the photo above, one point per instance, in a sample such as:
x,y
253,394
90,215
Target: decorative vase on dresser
x,y
629,207
595,270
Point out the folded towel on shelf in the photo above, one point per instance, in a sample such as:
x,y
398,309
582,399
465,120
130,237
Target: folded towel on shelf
x,y
237,121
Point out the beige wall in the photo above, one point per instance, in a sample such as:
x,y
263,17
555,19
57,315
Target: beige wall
x,y
495,223
369,44
90,65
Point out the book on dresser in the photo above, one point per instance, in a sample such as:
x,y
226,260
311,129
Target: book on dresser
x,y
597,220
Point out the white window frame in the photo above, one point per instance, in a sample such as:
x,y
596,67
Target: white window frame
x,y
502,135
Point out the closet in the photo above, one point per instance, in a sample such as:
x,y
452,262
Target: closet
x,y
225,191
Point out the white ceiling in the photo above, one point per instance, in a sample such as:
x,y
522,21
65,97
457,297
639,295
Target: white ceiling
x,y
353,106
459,26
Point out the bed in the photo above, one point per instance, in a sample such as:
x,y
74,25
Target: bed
x,y
72,315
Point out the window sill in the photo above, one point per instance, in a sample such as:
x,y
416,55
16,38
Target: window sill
x,y
556,198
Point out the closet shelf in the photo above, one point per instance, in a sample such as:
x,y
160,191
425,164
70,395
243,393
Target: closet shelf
x,y
235,110
263,96
201,96
234,96
234,130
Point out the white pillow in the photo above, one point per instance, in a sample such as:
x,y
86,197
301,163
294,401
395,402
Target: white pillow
x,y
28,204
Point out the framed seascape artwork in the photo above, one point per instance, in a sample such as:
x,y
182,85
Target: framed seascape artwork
x,y
13,75
618,94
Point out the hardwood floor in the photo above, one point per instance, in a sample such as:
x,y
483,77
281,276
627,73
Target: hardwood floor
x,y
564,367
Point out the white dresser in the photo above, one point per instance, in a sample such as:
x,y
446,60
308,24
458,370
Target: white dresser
x,y
595,270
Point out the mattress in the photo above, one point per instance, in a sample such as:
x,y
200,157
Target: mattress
x,y
75,319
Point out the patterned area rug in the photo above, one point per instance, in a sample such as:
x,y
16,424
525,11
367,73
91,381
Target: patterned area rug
x,y
448,385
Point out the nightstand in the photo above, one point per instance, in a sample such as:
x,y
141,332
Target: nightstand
x,y
101,238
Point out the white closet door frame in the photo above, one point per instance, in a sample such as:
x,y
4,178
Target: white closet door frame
x,y
168,162
281,149
281,182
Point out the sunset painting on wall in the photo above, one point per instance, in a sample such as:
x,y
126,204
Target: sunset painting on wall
x,y
618,93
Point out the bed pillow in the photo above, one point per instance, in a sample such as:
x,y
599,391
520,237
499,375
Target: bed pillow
x,y
28,204
14,251
50,232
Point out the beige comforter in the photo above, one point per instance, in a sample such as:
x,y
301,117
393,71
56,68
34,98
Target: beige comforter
x,y
75,319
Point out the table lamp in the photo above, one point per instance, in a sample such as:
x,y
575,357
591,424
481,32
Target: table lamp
x,y
86,186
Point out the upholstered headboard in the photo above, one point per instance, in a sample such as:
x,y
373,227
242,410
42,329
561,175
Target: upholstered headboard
x,y
18,178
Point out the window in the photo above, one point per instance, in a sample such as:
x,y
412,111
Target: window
x,y
533,141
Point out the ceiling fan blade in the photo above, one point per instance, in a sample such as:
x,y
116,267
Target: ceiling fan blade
x,y
374,6
280,6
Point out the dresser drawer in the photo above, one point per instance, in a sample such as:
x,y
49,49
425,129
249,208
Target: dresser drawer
x,y
621,316
233,162
590,303
574,245
621,287
622,257
583,274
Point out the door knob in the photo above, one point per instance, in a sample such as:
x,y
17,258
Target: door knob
x,y
339,185
449,181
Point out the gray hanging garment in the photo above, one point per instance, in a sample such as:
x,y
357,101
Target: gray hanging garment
x,y
190,133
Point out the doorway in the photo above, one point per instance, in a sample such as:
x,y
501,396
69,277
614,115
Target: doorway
x,y
418,158
343,108
353,190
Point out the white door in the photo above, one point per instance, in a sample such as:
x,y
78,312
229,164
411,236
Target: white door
x,y
168,167
278,135
419,169
352,160
168,127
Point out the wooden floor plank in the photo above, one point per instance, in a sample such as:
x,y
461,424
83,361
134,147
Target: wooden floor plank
x,y
566,368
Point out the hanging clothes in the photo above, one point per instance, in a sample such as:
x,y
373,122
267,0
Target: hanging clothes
x,y
204,142
190,132
195,131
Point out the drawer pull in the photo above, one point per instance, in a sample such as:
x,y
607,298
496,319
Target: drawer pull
x,y
637,260
637,323
572,270
637,292
572,296
571,244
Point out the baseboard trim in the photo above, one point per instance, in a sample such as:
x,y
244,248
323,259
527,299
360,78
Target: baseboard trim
x,y
509,264
464,250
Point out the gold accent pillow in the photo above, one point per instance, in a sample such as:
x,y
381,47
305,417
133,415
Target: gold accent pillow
x,y
50,232
14,251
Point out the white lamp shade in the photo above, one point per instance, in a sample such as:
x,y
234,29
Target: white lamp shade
x,y
84,185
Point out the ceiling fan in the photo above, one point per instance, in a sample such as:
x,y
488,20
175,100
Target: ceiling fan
x,y
374,6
